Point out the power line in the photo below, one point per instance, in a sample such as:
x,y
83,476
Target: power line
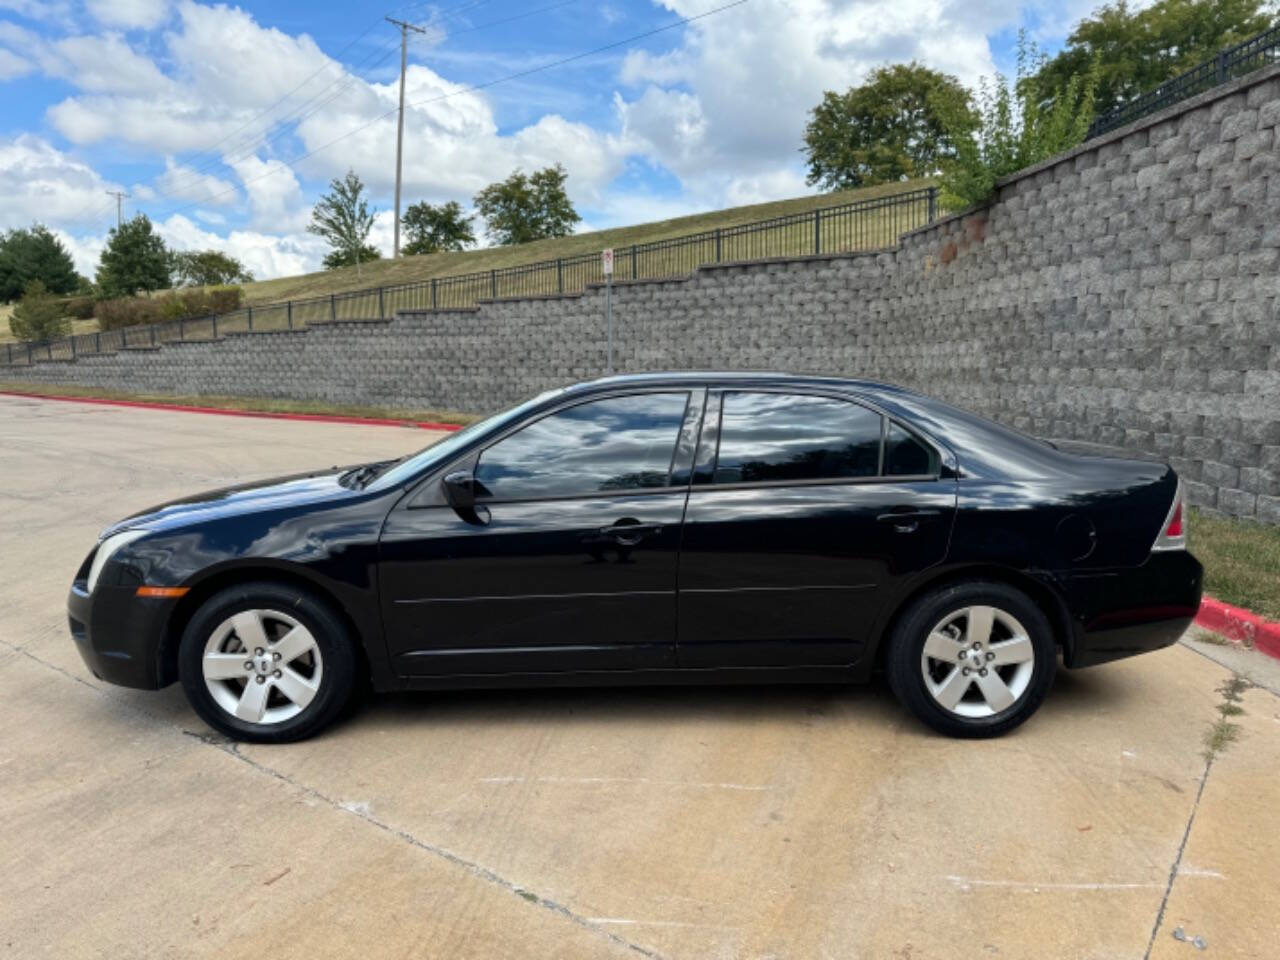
x,y
471,89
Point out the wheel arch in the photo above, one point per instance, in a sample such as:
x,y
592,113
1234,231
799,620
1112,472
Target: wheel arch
x,y
250,572
1042,594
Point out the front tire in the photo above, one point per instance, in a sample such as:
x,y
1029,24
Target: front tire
x,y
267,663
972,659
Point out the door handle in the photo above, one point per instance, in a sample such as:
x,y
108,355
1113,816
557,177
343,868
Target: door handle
x,y
629,534
900,514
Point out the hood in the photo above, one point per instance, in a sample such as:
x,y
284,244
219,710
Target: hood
x,y
280,492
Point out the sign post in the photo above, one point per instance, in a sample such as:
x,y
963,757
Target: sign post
x,y
606,264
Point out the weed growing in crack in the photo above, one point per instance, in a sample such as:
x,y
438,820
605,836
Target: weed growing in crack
x,y
1222,731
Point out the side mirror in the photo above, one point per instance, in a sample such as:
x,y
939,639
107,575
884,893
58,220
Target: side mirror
x,y
460,490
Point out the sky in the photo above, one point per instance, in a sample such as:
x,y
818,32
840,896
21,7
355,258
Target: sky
x,y
224,123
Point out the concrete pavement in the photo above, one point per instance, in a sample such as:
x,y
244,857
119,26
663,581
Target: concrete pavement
x,y
686,823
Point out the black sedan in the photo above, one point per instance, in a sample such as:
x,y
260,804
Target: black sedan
x,y
665,528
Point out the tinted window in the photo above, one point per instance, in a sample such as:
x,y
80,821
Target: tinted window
x,y
905,456
774,436
622,443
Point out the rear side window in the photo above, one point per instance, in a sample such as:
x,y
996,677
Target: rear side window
x,y
776,436
619,443
905,456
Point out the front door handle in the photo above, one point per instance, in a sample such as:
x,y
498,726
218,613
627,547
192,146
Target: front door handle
x,y
905,519
629,533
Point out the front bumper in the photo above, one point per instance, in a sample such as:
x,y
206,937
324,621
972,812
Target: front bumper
x,y
119,634
1121,613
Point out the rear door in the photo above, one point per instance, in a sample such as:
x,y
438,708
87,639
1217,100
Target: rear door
x,y
804,509
568,562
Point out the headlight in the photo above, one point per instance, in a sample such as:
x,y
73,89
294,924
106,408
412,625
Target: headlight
x,y
106,549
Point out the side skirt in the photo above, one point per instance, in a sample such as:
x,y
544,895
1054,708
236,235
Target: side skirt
x,y
620,678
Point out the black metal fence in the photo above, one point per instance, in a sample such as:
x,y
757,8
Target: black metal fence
x,y
861,225
1258,51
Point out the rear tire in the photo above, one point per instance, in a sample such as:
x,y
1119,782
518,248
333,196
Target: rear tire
x,y
267,663
972,659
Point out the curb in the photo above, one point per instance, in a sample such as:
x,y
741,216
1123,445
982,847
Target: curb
x,y
259,414
1240,626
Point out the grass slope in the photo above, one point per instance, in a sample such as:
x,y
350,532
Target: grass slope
x,y
408,269
1241,561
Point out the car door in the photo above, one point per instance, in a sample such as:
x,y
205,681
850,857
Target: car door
x,y
805,509
568,560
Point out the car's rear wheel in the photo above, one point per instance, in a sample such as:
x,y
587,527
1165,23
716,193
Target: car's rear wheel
x,y
267,663
972,659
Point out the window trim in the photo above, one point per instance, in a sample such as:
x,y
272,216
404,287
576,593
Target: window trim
x,y
718,393
475,456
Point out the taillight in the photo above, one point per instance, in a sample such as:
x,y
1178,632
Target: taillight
x,y
1173,535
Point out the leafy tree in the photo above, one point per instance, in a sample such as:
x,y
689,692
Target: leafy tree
x,y
35,254
524,208
342,216
39,316
135,258
1018,125
887,129
1137,50
208,268
351,257
432,229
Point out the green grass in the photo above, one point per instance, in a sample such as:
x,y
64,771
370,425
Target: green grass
x,y
1241,561
256,404
6,311
408,269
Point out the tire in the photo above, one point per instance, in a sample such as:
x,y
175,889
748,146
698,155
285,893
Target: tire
x,y
1010,670
286,679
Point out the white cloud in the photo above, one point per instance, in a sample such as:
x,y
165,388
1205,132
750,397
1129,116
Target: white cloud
x,y
48,11
39,182
275,195
180,182
12,65
265,255
130,14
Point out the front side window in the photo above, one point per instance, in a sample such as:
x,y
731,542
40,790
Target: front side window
x,y
619,443
776,436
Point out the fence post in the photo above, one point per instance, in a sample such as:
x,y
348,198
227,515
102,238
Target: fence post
x,y
9,350
559,275
289,312
434,298
333,308
28,354
73,346
182,328
382,311
717,244
215,326
97,343
634,275
817,232
933,204
1222,66
250,319
153,334
493,284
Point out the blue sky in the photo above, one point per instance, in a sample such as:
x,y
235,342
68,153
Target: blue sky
x,y
219,119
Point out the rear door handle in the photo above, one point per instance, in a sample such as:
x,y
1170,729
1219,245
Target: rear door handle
x,y
898,515
630,534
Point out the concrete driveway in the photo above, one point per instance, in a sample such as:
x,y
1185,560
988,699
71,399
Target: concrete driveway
x,y
796,823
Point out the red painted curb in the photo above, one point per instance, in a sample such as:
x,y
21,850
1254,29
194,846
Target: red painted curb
x,y
261,414
1240,626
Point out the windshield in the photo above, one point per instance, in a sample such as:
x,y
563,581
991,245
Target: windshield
x,y
444,448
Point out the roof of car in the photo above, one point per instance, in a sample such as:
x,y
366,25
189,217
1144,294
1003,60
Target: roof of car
x,y
739,376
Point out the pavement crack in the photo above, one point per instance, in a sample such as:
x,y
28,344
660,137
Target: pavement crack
x,y
1177,860
476,869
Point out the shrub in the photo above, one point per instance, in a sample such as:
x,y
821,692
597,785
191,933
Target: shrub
x,y
175,305
1019,125
79,308
39,315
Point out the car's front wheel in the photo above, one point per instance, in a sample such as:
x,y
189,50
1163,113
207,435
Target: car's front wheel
x,y
972,659
267,663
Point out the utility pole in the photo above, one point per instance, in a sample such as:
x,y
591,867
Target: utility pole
x,y
404,56
120,196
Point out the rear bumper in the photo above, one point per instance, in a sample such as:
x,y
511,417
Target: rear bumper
x,y
118,634
1120,613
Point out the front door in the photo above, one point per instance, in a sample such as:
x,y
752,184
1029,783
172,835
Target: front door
x,y
804,509
568,562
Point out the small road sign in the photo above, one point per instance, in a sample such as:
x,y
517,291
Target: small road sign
x,y
606,261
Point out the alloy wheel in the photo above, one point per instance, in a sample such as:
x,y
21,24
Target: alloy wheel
x,y
977,661
262,666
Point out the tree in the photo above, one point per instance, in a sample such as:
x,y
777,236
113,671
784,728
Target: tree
x,y
135,258
343,218
523,208
433,229
208,268
1019,124
39,316
1137,50
351,258
35,254
887,129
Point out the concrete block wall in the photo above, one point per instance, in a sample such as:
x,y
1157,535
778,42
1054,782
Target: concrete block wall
x,y
1122,296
